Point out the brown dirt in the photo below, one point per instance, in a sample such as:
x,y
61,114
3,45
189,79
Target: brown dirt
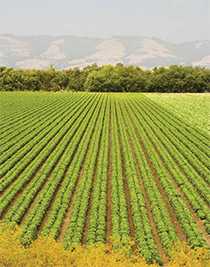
x,y
201,227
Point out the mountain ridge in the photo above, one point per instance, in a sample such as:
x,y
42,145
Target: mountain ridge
x,y
68,51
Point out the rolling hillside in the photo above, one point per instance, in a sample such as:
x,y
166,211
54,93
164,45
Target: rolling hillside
x,y
73,51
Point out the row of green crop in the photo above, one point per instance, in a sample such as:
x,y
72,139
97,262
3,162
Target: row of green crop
x,y
48,192
74,232
171,160
22,118
182,213
19,179
18,150
21,204
199,137
17,104
197,143
192,109
56,171
18,132
159,210
66,191
197,173
143,229
97,215
120,225
12,169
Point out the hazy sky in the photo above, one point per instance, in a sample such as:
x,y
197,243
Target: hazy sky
x,y
173,20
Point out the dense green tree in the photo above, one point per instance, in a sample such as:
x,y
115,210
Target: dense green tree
x,y
108,78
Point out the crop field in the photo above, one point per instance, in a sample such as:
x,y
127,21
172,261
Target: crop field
x,y
193,108
86,168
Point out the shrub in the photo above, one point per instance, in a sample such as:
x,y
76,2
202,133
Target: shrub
x,y
47,252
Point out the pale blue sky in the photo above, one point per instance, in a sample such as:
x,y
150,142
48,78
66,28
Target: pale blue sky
x,y
172,20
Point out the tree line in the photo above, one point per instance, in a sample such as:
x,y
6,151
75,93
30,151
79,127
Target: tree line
x,y
107,78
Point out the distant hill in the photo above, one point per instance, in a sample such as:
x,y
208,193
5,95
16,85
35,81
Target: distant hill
x,y
73,51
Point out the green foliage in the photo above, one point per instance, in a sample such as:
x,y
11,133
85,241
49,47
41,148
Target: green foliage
x,y
108,78
192,108
116,79
179,79
95,167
